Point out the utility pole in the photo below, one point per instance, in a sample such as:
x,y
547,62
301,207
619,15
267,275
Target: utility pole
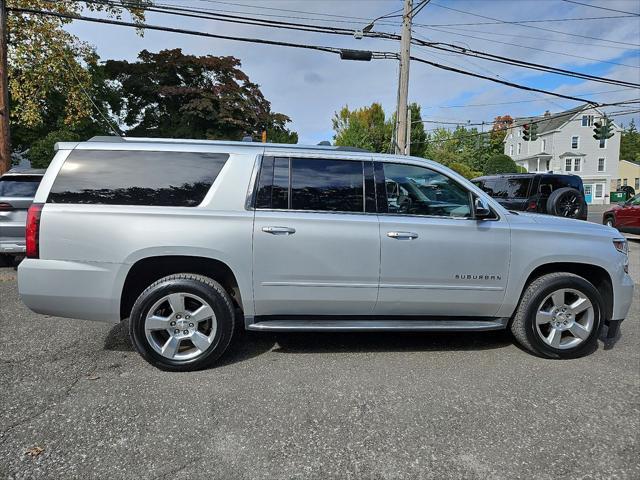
x,y
5,150
403,82
407,149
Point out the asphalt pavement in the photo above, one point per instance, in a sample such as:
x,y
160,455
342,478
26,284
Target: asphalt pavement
x,y
77,402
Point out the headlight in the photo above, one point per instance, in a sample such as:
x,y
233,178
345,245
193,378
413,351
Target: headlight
x,y
621,245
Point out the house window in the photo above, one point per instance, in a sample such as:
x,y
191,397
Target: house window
x,y
587,120
510,135
518,132
574,141
637,184
519,148
576,164
599,190
511,150
567,165
601,165
624,182
548,164
603,143
543,145
618,184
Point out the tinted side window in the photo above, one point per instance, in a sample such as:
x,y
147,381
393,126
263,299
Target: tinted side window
x,y
414,190
494,187
327,185
180,179
518,187
19,186
273,184
564,181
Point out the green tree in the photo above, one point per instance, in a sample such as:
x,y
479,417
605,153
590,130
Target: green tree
x,y
368,128
47,63
630,143
170,94
500,163
365,128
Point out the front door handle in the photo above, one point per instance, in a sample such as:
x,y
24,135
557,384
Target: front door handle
x,y
402,235
279,230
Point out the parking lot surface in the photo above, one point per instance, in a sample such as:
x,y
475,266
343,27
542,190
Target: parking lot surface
x,y
77,401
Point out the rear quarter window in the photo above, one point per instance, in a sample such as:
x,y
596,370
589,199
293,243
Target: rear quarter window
x,y
19,186
177,179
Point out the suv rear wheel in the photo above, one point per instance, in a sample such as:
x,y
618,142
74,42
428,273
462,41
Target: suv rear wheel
x,y
182,322
559,316
566,202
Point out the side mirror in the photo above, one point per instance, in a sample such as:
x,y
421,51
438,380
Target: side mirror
x,y
480,208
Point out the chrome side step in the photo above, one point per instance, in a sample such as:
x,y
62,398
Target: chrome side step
x,y
377,325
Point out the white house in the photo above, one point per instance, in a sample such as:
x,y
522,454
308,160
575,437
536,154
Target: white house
x,y
565,144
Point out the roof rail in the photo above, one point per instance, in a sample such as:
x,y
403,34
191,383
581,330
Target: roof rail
x,y
106,138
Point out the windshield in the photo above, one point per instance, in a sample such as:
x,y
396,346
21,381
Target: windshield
x,y
19,186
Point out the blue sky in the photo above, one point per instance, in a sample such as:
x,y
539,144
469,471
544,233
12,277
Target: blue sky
x,y
310,86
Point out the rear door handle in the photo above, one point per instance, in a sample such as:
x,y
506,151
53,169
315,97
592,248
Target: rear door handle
x,y
279,230
402,235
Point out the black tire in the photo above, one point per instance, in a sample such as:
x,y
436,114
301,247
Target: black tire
x,y
6,260
523,325
610,221
567,202
207,289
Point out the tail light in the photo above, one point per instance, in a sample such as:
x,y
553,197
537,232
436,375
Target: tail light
x,y
5,207
33,230
533,206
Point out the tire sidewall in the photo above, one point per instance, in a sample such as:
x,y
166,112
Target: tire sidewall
x,y
552,201
224,319
576,283
610,222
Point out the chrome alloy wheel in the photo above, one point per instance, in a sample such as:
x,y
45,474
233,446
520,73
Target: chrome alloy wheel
x,y
565,318
180,326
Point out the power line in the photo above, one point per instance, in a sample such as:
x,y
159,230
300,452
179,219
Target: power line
x,y
536,27
376,55
360,19
600,8
531,122
341,31
537,38
523,101
517,22
522,63
535,48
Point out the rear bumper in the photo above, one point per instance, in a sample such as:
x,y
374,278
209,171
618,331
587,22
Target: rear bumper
x,y
12,246
70,289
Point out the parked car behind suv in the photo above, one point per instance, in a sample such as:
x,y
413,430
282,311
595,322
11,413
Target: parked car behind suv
x,y
625,217
17,188
189,239
553,194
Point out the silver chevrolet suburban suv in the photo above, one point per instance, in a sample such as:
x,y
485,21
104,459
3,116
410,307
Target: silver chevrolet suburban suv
x,y
192,239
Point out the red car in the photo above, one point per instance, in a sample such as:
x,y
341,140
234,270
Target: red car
x,y
625,217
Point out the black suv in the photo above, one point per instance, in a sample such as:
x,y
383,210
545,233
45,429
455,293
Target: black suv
x,y
553,194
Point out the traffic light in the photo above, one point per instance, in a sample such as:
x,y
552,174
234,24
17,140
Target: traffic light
x,y
526,132
603,129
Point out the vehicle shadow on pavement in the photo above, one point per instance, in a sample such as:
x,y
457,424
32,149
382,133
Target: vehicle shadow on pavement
x,y
390,341
245,345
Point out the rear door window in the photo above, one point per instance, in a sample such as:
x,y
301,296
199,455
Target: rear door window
x,y
518,187
312,184
562,181
19,186
177,179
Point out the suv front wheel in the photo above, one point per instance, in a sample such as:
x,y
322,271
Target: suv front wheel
x,y
182,322
559,316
